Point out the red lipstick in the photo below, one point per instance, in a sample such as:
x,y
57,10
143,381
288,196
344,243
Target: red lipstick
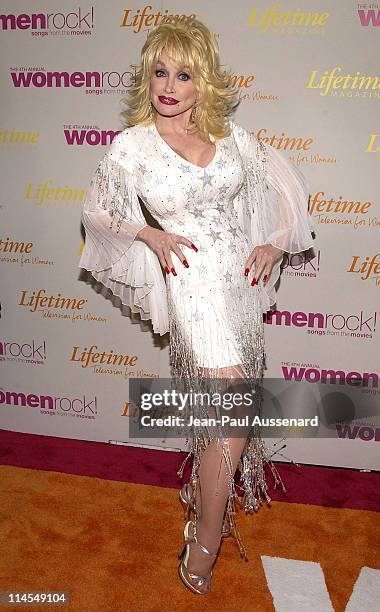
x,y
165,100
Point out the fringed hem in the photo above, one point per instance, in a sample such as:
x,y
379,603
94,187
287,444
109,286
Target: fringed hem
x,y
246,330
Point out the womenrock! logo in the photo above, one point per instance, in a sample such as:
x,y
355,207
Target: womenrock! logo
x,y
50,404
31,352
357,325
40,22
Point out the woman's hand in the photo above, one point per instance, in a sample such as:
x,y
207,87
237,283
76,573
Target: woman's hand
x,y
264,256
162,243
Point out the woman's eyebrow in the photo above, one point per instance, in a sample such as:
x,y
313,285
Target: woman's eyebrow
x,y
181,68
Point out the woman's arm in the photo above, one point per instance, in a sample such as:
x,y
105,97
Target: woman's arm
x,y
112,218
272,208
283,220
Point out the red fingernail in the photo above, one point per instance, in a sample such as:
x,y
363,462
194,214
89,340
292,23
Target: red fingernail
x,y
167,270
246,272
174,272
265,278
185,263
194,247
254,281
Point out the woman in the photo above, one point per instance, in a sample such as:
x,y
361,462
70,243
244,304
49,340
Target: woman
x,y
229,207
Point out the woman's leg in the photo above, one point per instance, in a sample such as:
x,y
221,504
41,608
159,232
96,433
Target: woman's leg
x,y
213,486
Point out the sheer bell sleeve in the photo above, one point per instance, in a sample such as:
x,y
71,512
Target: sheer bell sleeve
x,y
272,206
112,218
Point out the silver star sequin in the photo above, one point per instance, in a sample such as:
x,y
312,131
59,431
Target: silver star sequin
x,y
233,231
197,213
214,235
142,169
191,192
171,199
206,179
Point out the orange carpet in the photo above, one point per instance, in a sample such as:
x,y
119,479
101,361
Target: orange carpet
x,y
113,546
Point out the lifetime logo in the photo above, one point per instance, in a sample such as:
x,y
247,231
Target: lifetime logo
x,y
274,18
92,356
330,81
48,196
38,300
317,204
13,246
148,19
369,268
374,144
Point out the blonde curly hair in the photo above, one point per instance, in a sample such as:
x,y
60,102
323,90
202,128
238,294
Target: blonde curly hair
x,y
188,43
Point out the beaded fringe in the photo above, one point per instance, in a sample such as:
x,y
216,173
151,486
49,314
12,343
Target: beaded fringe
x,y
188,374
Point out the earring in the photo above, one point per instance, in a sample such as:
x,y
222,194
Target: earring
x,y
150,110
193,113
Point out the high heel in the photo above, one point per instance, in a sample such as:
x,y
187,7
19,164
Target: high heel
x,y
187,499
190,580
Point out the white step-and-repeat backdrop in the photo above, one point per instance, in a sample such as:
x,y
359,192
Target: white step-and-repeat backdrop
x,y
309,85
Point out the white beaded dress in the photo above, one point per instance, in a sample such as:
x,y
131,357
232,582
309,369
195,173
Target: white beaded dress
x,y
249,194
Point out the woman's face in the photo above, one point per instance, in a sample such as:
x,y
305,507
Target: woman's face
x,y
172,91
